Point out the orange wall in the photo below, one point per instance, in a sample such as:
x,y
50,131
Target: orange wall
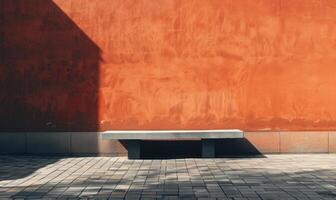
x,y
170,64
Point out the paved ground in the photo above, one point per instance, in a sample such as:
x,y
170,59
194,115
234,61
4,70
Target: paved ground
x,y
273,177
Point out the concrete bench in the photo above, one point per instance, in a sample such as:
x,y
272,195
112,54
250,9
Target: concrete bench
x,y
207,137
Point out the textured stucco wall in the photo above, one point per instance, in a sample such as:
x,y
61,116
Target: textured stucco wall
x,y
169,64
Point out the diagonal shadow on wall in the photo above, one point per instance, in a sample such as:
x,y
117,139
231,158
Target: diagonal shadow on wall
x,y
49,79
49,74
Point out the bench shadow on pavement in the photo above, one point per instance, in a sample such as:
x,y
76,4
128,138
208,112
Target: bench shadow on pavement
x,y
238,147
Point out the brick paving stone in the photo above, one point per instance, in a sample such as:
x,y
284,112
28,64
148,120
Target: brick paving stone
x,y
308,176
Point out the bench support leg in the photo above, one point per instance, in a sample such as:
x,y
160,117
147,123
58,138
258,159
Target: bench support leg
x,y
208,148
134,149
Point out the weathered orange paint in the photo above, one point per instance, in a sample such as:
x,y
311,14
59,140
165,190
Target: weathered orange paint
x,y
195,64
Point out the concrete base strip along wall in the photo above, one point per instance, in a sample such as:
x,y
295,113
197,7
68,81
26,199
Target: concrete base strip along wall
x,y
82,143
